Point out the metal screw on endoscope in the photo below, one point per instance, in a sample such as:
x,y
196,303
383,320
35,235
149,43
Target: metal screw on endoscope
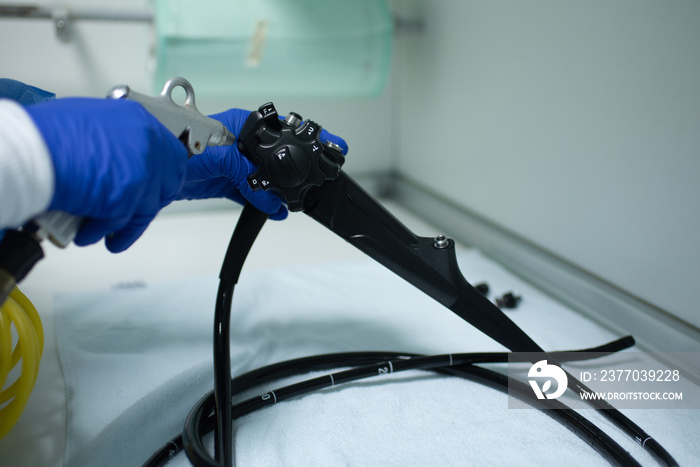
x,y
440,242
332,145
508,300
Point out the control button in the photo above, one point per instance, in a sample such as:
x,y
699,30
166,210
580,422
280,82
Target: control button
x,y
282,154
284,170
293,119
308,131
333,146
334,153
258,180
268,110
254,182
270,115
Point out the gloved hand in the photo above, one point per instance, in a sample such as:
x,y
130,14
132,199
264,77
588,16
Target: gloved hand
x,y
222,171
115,164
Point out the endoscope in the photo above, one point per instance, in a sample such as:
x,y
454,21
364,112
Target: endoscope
x,y
306,172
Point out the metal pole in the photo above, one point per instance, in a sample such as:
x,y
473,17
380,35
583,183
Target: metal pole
x,y
81,13
63,16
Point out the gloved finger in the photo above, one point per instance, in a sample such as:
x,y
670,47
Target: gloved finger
x,y
213,188
230,191
264,200
206,170
222,173
281,214
93,230
125,237
328,136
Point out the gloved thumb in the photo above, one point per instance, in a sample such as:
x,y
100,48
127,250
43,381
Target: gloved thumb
x,y
124,238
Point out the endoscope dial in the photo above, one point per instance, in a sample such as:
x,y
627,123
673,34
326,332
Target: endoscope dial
x,y
288,154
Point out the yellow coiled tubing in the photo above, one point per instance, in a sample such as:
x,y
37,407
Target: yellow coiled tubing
x,y
28,339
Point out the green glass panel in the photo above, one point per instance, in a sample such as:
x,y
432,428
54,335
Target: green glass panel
x,y
295,48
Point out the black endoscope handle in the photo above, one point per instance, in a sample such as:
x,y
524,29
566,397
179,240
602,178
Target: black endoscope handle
x,y
292,162
430,264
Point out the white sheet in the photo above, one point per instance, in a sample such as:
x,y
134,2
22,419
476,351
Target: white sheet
x,y
137,359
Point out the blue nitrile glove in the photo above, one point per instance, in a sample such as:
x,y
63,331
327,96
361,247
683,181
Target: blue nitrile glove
x,y
23,93
222,171
116,165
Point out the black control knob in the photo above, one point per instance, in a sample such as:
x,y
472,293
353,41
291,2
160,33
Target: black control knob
x,y
289,156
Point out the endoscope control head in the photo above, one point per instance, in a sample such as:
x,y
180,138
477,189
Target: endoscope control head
x,y
289,154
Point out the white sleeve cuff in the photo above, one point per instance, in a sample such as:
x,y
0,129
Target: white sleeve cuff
x,y
27,176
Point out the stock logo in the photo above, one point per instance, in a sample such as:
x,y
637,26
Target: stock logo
x,y
551,372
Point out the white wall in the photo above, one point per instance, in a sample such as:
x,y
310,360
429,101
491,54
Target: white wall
x,y
574,124
104,54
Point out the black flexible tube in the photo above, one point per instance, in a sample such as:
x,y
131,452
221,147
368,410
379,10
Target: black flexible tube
x,y
577,423
202,420
222,374
249,225
219,402
625,424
